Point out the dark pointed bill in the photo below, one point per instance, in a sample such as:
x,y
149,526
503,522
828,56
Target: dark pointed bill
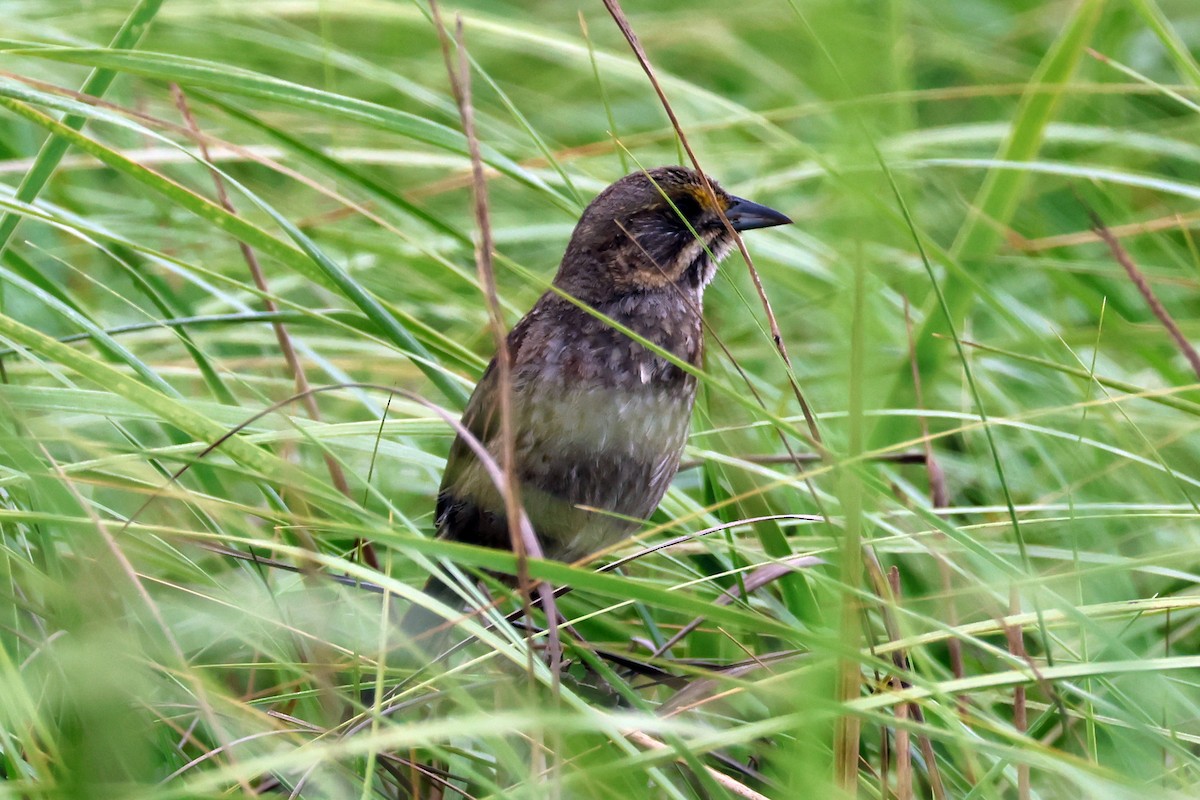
x,y
745,215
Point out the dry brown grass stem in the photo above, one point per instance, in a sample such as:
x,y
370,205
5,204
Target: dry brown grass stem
x,y
295,369
1143,286
1173,222
524,541
727,783
939,498
618,15
887,587
1016,646
904,773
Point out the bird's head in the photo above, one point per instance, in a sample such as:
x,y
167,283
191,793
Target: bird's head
x,y
652,230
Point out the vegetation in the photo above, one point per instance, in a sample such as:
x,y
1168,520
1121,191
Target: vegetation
x,y
983,586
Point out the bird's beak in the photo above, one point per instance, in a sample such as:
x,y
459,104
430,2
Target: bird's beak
x,y
744,215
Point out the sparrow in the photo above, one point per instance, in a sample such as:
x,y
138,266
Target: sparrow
x,y
599,420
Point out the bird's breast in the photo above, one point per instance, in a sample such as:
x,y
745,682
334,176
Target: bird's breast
x,y
612,449
634,422
600,421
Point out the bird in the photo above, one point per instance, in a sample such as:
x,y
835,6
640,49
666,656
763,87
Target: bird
x,y
599,421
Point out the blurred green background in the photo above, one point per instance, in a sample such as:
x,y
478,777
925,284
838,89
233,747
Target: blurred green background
x,y
1039,637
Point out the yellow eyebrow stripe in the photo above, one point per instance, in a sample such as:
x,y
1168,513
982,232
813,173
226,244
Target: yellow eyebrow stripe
x,y
702,197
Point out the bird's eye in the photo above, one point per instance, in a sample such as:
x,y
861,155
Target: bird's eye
x,y
687,205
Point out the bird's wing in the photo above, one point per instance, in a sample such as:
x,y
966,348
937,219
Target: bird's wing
x,y
481,419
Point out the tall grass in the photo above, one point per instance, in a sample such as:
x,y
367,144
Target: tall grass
x,y
985,588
